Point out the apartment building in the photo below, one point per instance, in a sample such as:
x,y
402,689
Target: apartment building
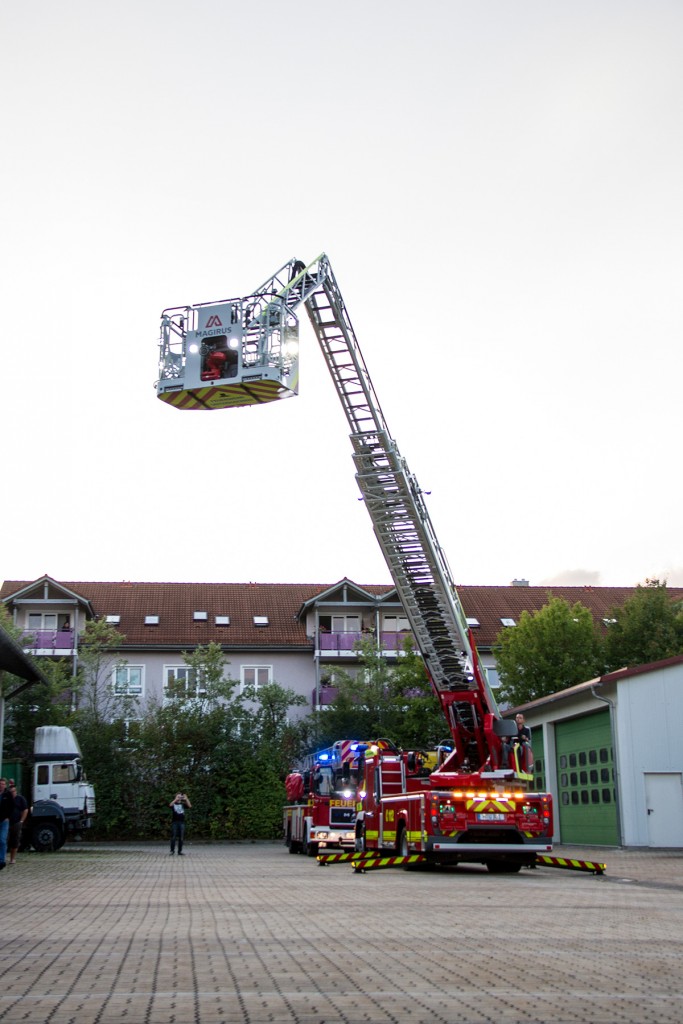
x,y
293,634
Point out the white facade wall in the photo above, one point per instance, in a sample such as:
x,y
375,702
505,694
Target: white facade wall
x,y
649,713
648,737
291,670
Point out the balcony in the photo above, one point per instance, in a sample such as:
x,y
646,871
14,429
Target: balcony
x,y
343,644
325,696
54,642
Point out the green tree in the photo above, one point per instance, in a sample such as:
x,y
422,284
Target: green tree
x,y
647,627
187,742
37,704
228,751
548,650
100,719
265,723
96,698
382,699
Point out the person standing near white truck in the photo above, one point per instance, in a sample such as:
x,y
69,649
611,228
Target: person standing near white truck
x,y
6,811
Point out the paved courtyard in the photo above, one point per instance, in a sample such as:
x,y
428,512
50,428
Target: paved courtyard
x,y
246,933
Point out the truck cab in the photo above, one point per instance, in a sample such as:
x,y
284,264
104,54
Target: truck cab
x,y
63,801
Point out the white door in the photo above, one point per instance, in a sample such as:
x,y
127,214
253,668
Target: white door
x,y
664,802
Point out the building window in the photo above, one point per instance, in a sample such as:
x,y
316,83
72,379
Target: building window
x,y
222,620
261,620
201,616
42,620
181,681
346,623
255,675
395,623
493,677
128,681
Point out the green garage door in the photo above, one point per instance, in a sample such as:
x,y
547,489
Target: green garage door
x,y
585,777
539,783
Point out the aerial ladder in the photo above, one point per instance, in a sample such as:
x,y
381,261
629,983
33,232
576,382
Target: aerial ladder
x,y
245,351
476,805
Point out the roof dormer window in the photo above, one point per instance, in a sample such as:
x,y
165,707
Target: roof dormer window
x,y
151,620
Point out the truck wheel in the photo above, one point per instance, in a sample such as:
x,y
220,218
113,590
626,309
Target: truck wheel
x,y
310,849
503,867
46,838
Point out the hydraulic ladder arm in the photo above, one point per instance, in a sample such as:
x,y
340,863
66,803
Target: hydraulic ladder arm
x,y
401,522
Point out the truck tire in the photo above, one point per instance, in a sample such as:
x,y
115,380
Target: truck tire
x,y
310,849
292,845
503,867
46,837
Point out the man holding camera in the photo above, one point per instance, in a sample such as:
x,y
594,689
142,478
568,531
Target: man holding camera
x,y
178,804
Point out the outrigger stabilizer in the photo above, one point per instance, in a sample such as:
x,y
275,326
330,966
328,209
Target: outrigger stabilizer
x,y
362,862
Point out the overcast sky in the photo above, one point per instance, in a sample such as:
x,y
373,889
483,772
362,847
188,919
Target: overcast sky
x,y
498,186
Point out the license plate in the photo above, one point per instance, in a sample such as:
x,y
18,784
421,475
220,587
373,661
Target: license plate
x,y
491,817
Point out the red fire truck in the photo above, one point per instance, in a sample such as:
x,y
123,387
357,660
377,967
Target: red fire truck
x,y
479,804
321,795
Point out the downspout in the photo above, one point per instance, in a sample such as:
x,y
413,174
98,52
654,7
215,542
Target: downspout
x,y
615,749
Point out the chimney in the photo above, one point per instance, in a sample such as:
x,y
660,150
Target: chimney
x,y
519,583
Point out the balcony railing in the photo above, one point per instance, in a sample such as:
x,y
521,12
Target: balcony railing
x,y
347,641
325,696
49,640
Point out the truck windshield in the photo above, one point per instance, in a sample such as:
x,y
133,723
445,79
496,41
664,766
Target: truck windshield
x,y
65,772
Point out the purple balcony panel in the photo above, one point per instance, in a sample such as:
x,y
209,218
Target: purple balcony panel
x,y
393,641
338,641
328,694
49,639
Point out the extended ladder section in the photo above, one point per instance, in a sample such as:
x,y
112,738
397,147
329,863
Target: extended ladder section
x,y
400,518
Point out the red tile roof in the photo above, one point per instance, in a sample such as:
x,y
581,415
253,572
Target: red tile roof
x,y
491,604
175,604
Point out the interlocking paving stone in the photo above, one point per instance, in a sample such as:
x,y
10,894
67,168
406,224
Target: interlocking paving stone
x,y
246,934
